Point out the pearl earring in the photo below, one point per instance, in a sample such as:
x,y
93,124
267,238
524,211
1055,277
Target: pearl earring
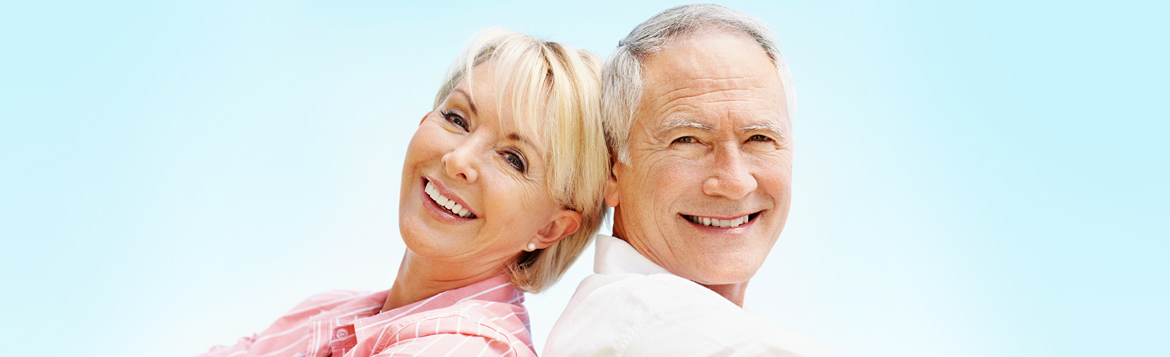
x,y
531,247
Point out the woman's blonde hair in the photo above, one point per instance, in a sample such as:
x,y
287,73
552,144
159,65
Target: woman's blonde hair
x,y
556,89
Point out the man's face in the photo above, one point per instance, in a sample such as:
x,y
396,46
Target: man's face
x,y
707,189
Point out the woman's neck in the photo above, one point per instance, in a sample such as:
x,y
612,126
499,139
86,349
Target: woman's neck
x,y
420,278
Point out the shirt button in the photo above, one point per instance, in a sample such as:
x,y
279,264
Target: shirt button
x,y
341,333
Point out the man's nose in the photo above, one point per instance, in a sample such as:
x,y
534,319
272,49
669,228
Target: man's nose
x,y
731,177
460,163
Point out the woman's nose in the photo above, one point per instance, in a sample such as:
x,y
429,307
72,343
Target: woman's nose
x,y
460,163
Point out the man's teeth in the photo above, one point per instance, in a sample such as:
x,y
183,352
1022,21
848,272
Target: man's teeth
x,y
445,202
721,223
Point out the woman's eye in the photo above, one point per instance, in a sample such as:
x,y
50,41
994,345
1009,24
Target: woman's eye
x,y
455,119
685,140
516,161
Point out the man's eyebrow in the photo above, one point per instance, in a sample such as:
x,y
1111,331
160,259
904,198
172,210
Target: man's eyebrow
x,y
765,126
470,103
684,123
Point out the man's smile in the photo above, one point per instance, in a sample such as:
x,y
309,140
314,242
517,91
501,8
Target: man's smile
x,y
716,222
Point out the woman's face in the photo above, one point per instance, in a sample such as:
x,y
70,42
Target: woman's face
x,y
473,184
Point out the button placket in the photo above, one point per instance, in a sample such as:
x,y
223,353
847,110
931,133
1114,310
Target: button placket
x,y
343,340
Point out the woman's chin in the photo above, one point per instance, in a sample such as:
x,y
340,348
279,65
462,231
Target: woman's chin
x,y
427,241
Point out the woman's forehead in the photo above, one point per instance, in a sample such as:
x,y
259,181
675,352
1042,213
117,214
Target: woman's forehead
x,y
508,98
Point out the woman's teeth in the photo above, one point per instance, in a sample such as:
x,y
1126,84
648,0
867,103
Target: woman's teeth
x,y
445,202
721,223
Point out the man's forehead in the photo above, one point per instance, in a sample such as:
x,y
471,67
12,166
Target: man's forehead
x,y
702,74
710,109
741,126
702,49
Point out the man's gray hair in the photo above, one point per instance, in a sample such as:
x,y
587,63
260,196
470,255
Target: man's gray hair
x,y
621,87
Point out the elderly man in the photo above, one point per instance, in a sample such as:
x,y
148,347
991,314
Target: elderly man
x,y
698,102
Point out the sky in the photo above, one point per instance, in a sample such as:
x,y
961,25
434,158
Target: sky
x,y
971,178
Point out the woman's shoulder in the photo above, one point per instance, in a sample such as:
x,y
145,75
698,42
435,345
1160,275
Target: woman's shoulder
x,y
323,302
486,317
288,330
333,297
472,325
482,316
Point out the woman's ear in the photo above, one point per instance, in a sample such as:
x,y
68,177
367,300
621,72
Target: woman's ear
x,y
424,118
563,223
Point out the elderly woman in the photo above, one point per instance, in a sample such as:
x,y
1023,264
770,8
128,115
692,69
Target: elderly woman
x,y
501,190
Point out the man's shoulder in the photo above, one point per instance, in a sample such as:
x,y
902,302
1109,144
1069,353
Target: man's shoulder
x,y
650,291
618,314
664,314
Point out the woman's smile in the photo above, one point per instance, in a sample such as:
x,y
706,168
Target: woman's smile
x,y
449,202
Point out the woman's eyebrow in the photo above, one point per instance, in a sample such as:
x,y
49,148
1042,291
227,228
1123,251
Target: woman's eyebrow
x,y
521,138
470,103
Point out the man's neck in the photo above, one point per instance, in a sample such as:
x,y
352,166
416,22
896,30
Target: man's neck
x,y
731,292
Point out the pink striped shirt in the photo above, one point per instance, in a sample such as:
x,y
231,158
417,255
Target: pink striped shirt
x,y
487,318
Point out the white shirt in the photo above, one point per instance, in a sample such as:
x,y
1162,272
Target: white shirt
x,y
633,307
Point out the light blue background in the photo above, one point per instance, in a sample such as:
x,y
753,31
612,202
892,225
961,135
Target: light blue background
x,y
976,178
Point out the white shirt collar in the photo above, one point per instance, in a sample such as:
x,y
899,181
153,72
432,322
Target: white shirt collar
x,y
616,256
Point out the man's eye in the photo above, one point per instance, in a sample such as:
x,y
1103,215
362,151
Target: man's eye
x,y
685,140
455,119
516,161
759,137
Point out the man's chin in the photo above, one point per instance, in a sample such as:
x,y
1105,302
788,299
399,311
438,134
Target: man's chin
x,y
723,276
732,287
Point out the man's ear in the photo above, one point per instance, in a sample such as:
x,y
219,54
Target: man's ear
x,y
563,223
611,186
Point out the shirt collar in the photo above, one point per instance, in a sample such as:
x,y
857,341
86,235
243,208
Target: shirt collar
x,y
615,256
497,289
360,317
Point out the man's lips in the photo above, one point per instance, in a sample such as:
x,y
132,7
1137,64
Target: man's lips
x,y
721,222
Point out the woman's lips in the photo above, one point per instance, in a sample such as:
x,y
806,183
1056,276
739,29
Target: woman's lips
x,y
448,203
